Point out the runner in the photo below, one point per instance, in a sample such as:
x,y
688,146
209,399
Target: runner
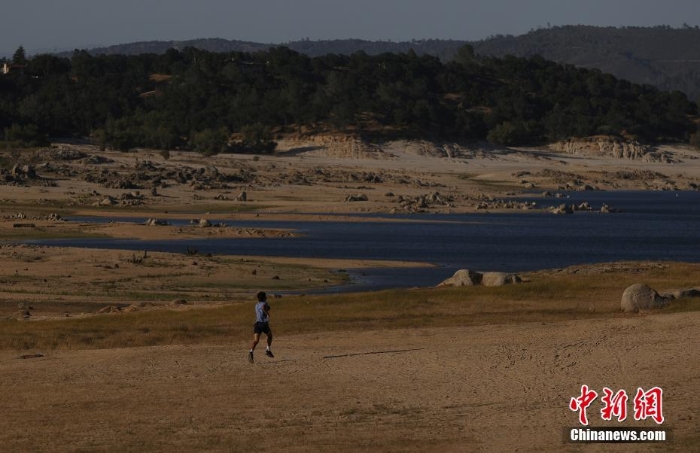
x,y
262,325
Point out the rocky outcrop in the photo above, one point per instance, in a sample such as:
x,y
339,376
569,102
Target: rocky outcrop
x,y
311,141
604,146
463,277
64,153
466,277
422,202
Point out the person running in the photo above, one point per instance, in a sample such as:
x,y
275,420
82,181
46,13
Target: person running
x,y
262,325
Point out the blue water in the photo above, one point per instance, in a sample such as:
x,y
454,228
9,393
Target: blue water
x,y
649,226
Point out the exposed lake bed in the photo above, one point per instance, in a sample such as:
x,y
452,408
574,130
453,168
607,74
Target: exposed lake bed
x,y
408,217
661,226
119,315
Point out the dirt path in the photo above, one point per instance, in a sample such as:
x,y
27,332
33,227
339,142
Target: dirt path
x,y
492,388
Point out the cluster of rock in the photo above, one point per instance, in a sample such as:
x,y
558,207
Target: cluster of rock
x,y
97,160
572,182
640,297
497,204
466,277
18,174
148,174
604,146
438,150
583,207
419,203
422,202
549,194
331,175
53,217
205,223
126,199
64,153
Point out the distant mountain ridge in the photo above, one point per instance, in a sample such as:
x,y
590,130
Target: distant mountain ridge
x,y
445,49
665,57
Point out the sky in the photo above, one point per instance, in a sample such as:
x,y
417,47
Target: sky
x,y
57,25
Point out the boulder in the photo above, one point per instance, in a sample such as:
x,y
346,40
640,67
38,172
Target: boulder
x,y
499,279
562,209
641,297
358,197
463,277
156,222
107,201
682,293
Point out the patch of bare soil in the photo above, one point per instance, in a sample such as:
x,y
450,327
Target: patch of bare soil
x,y
490,388
64,282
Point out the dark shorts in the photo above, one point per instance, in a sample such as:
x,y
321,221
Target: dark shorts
x,y
262,327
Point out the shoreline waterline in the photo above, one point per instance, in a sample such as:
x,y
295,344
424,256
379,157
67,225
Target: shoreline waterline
x,y
649,227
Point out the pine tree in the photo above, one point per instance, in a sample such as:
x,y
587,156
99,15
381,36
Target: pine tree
x,y
19,57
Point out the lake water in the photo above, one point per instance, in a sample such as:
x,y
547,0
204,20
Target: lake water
x,y
650,226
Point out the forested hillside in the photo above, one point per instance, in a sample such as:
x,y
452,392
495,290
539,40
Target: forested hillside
x,y
195,99
668,58
662,56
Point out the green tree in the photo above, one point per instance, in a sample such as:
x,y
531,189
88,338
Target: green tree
x,y
19,57
25,136
465,56
508,134
257,138
210,142
123,134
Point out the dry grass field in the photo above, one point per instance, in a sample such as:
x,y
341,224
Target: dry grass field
x,y
121,350
442,369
